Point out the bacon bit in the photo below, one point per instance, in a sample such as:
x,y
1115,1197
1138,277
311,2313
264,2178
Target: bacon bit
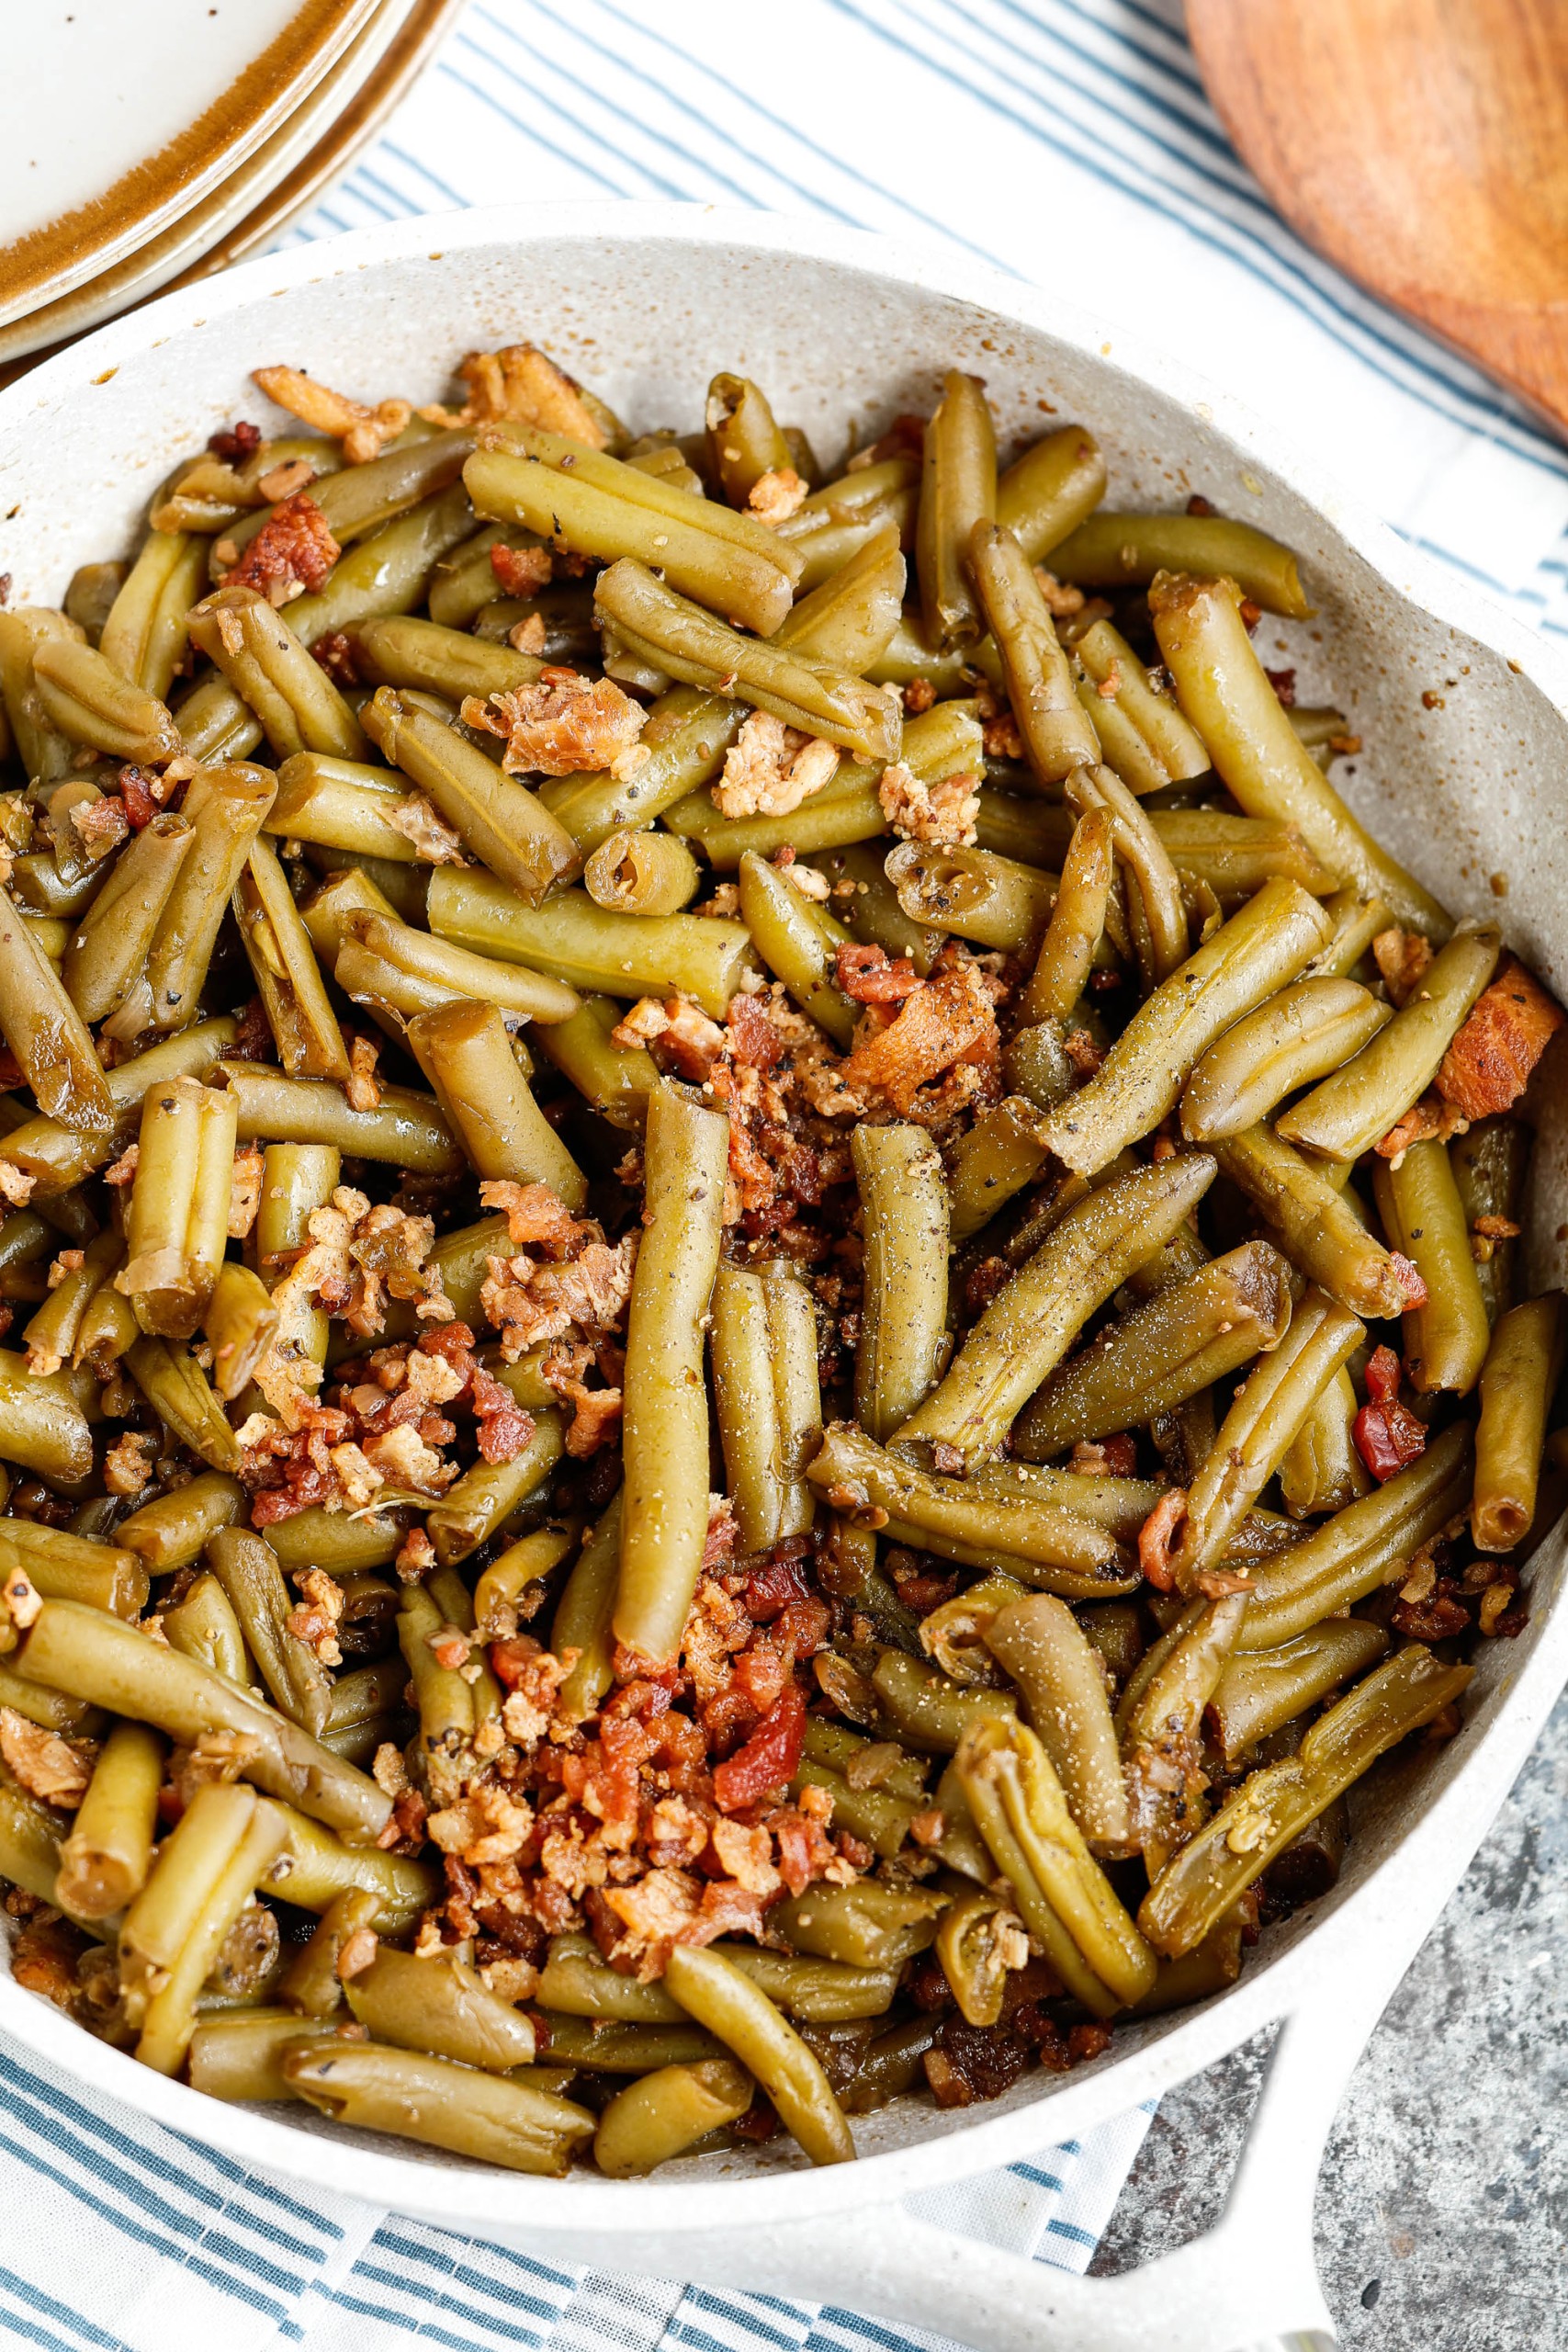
x,y
1157,1538
530,634
293,551
776,496
1385,1434
1488,1066
1402,957
336,653
101,825
771,768
143,794
1428,1120
523,385
939,1023
666,1908
253,1041
746,1856
316,1621
868,975
905,437
1113,1457
561,725
1000,737
282,481
244,1190
361,1088
527,1303
428,833
1408,1277
22,1603
521,571
944,813
769,1758
47,1767
237,443
416,1556
536,1217
16,1189
363,431
1284,684
355,1953
128,1464
919,696
1062,599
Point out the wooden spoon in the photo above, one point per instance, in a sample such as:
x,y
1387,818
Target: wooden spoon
x,y
1423,145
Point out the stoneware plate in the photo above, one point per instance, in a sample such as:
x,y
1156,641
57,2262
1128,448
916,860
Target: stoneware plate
x,y
288,172
116,119
646,302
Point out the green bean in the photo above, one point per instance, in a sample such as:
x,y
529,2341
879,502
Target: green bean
x,y
283,964
436,965
1064,1896
446,1702
661,2117
215,725
75,1567
29,1842
1274,1805
95,1657
958,492
51,1335
104,1862
88,699
1360,1547
178,1390
42,1427
441,2006
144,634
499,819
615,1080
1356,923
867,905
1076,923
169,2019
1231,857
972,892
225,808
1180,1342
1307,1030
954,1632
1322,1470
1256,750
955,1519
1138,1084
1142,734
1058,736
504,1585
910,655
664,1521
1156,915
1348,1112
1052,488
642,874
851,617
801,688
1032,1322
867,1924
311,1984
835,522
929,1709
401,651
58,1157
611,2046
1316,1228
246,1567
1111,551
1489,1165
764,1488
980,1933
471,1510
891,2064
465,580
264,660
1445,1339
73,1718
342,805
316,1866
589,946
465,1052
502,2119
240,2057
822,1992
204,1626
584,1614
796,940
719,1996
1518,1384
25,1236
46,1032
1262,1691
1002,1152
177,1225
405,1128
576,1980
387,570
358,499
1041,1647
110,945
744,443
91,595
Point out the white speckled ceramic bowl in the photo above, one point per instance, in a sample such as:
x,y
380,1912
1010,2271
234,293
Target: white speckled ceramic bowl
x,y
647,302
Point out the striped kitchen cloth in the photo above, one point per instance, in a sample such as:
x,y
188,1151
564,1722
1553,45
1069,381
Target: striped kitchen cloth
x,y
1069,143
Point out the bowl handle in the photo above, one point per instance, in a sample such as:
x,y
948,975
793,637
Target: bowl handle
x,y
1252,2280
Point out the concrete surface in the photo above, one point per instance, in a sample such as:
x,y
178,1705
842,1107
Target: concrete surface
x,y
1442,2212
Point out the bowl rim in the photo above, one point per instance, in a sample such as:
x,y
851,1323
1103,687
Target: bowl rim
x,y
1420,1868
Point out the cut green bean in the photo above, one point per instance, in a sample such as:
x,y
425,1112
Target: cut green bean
x,y
1518,1384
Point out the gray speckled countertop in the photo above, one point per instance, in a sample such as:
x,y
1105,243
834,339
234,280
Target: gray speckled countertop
x,y
1442,2209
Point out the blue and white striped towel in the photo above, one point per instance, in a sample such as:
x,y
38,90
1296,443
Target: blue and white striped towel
x,y
1069,142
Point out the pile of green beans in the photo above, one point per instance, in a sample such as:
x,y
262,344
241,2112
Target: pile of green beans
x,y
972,1377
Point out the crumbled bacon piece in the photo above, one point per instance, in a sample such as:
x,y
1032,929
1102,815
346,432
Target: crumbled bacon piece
x,y
523,385
775,496
561,725
771,768
1488,1066
240,441
364,432
1158,1536
47,1767
521,571
101,825
669,1907
293,551
335,654
1284,684
944,813
1385,1434
769,1758
1429,1120
426,831
244,1190
1402,957
128,1463
142,794
869,974
528,1304
939,1023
